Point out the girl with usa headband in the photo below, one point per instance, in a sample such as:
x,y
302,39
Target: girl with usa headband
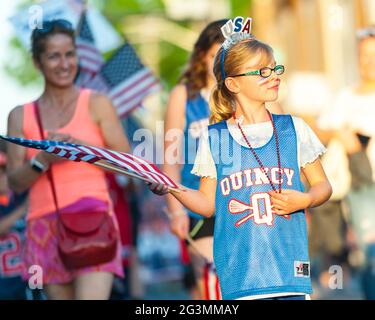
x,y
250,162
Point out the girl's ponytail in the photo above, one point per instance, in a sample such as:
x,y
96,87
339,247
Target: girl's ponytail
x,y
220,104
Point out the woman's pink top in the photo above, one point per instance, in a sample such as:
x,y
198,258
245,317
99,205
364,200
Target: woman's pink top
x,y
73,180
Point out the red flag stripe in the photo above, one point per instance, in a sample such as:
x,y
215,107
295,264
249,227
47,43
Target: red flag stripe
x,y
153,168
218,292
140,163
131,84
116,160
86,46
136,167
137,96
68,152
138,87
158,177
91,60
147,167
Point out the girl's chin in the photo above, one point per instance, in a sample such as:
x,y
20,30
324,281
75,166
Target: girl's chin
x,y
272,98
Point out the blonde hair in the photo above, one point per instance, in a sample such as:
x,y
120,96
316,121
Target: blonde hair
x,y
222,101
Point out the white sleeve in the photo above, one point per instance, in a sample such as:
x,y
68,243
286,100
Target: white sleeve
x,y
204,165
309,146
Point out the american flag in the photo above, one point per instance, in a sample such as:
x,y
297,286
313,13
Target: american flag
x,y
126,80
90,58
211,283
115,161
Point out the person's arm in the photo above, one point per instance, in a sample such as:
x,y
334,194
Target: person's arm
x,y
9,220
21,175
289,201
104,114
173,138
200,201
320,188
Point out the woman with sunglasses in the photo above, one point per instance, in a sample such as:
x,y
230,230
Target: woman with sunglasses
x,y
249,163
70,114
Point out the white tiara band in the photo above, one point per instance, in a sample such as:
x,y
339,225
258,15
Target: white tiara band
x,y
235,38
234,31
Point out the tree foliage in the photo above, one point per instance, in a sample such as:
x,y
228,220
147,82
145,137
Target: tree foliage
x,y
172,58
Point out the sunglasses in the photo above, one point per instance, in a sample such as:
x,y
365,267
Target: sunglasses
x,y
263,72
48,26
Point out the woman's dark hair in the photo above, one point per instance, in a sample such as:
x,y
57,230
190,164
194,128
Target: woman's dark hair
x,y
195,76
49,28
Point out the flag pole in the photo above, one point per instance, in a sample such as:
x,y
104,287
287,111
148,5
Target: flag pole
x,y
110,167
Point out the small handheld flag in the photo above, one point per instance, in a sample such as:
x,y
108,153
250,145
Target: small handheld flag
x,y
125,80
90,58
119,162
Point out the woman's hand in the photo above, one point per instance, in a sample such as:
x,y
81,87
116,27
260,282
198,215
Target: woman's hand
x,y
64,137
49,158
289,201
159,189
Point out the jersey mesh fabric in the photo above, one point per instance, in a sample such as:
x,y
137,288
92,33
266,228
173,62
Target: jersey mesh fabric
x,y
196,115
259,255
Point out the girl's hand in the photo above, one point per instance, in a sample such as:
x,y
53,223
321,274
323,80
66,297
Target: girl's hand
x,y
289,201
158,189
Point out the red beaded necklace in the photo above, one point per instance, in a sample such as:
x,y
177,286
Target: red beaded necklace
x,y
255,154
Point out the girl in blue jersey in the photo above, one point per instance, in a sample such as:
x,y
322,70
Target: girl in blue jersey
x,y
249,163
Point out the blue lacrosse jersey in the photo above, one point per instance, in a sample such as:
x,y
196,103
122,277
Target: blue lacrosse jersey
x,y
256,251
197,114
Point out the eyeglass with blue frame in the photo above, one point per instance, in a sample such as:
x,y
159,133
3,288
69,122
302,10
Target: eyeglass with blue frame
x,y
264,72
48,25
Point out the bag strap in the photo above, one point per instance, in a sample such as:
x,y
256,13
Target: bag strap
x,y
49,171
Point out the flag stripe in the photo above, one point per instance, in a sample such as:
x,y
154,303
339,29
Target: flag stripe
x,y
87,46
120,158
138,90
83,55
130,82
136,99
125,109
90,62
151,167
115,160
127,81
89,57
90,154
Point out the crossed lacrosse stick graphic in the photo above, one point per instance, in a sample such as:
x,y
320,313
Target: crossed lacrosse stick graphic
x,y
236,207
